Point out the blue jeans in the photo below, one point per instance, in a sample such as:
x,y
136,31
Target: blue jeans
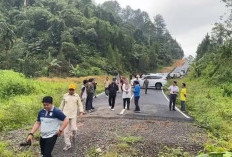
x,y
182,105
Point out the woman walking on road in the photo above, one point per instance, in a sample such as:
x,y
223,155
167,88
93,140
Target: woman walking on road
x,y
126,94
107,83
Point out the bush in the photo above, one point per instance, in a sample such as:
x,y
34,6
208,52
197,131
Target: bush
x,y
227,90
20,107
12,83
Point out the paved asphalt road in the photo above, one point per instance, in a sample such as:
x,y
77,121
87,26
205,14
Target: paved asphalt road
x,y
154,105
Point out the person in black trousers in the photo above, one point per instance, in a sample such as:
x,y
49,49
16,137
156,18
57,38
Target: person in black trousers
x,y
174,90
90,95
113,88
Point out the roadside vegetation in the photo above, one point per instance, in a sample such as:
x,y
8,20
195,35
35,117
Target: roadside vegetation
x,y
209,85
211,109
21,97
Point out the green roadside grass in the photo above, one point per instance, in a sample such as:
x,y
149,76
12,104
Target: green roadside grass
x,y
212,110
21,101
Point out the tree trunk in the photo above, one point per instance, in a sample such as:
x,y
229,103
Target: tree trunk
x,y
25,3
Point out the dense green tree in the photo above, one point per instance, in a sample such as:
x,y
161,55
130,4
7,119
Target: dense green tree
x,y
203,47
77,32
7,36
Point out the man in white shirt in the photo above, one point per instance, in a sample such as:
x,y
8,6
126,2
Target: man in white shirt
x,y
69,105
174,89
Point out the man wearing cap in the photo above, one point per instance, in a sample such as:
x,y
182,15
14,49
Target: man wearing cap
x,y
49,121
69,105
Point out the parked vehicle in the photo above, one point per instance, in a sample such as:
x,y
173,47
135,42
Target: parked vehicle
x,y
155,80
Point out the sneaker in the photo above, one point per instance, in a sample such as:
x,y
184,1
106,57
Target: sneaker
x,y
67,147
112,109
89,111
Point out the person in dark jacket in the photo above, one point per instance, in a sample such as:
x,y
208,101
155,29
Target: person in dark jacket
x,y
113,88
90,94
95,88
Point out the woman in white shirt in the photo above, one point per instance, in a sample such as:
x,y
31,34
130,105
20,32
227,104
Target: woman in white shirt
x,y
126,94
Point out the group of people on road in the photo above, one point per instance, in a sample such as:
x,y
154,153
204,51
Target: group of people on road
x,y
88,92
122,85
54,121
174,90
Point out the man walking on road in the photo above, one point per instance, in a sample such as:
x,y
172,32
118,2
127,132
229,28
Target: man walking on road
x,y
146,83
50,123
90,94
183,96
69,105
113,88
174,89
137,96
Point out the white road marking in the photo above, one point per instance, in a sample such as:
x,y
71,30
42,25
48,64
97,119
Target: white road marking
x,y
123,110
100,94
186,116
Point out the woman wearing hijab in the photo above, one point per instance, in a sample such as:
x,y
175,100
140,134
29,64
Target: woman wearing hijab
x,y
126,94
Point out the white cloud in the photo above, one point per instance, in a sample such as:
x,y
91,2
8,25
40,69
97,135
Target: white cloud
x,y
187,20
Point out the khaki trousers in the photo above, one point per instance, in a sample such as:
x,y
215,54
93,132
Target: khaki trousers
x,y
70,131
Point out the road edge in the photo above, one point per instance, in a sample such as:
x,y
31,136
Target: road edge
x,y
186,116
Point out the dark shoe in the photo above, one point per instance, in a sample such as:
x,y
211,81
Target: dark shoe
x,y
23,144
174,109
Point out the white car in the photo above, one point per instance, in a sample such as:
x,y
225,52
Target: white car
x,y
155,80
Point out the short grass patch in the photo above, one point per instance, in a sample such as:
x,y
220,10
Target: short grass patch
x,y
130,139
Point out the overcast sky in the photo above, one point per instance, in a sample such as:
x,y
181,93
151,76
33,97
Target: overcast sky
x,y
187,20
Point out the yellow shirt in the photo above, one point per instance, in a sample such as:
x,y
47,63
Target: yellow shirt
x,y
70,105
183,92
